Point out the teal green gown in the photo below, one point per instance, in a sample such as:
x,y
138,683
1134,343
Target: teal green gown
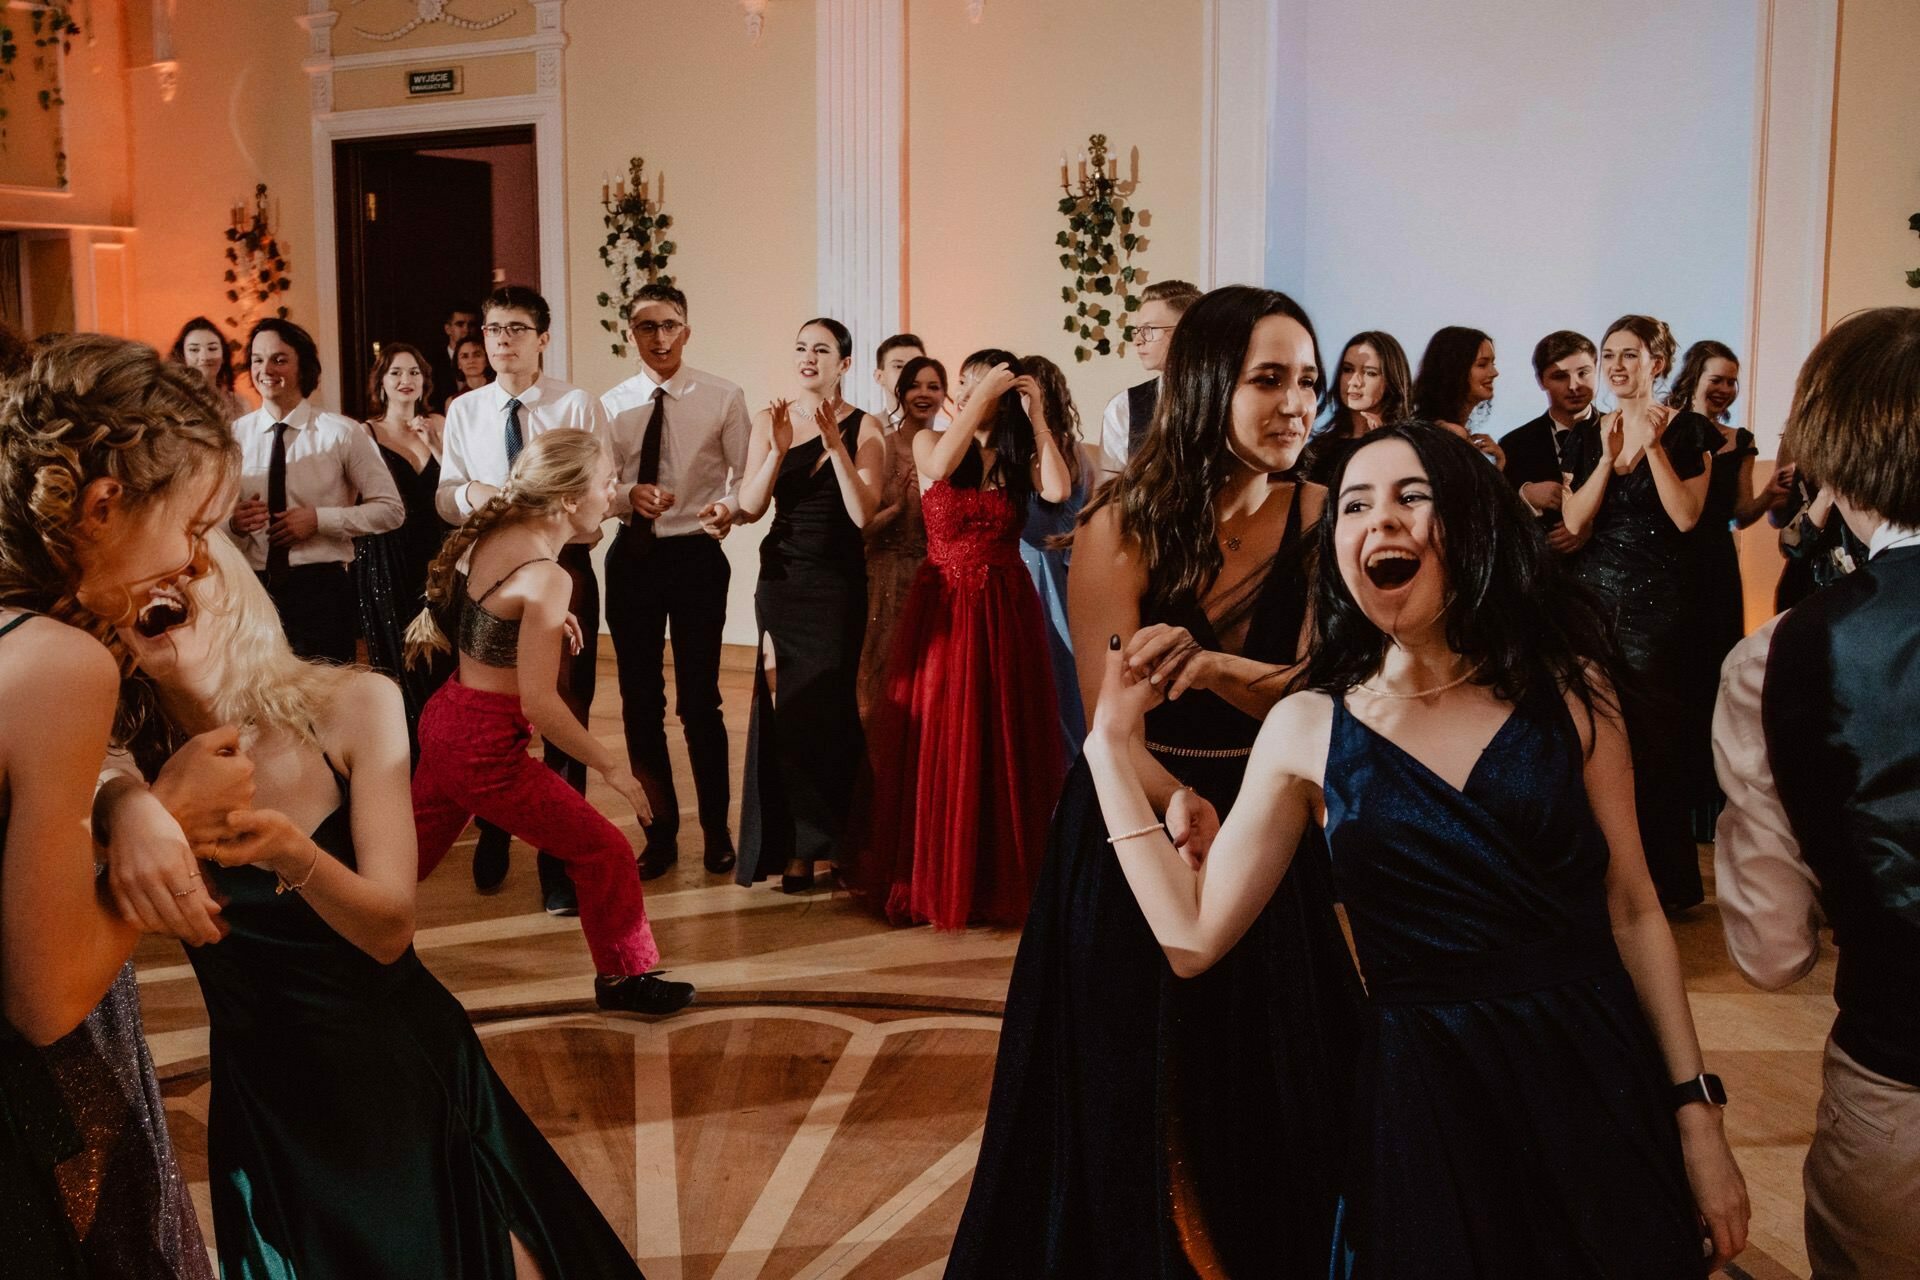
x,y
356,1127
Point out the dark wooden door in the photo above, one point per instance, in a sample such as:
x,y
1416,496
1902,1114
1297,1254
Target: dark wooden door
x,y
415,233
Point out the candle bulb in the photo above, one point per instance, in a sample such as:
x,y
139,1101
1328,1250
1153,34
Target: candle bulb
x,y
1133,165
1063,168
620,189
1113,170
643,191
1083,166
606,194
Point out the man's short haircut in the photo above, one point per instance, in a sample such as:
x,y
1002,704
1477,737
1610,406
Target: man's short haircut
x,y
1855,422
518,297
657,292
894,343
459,307
305,350
1557,346
1178,294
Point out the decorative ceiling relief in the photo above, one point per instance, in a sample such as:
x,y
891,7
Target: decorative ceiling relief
x,y
427,12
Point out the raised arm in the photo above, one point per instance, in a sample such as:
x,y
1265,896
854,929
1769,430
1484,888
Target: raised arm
x,y
767,447
859,464
936,457
1585,494
1052,475
1683,500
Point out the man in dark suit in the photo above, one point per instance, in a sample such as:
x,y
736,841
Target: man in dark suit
x,y
460,320
1563,365
1814,743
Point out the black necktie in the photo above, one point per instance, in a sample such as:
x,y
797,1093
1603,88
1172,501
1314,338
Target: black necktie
x,y
279,555
650,461
515,442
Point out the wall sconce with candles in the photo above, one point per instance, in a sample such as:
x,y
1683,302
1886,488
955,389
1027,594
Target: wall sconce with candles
x,y
756,11
631,251
1094,201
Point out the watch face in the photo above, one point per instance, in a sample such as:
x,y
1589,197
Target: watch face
x,y
1716,1092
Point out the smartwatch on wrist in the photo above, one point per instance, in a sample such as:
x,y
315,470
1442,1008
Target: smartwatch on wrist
x,y
1702,1088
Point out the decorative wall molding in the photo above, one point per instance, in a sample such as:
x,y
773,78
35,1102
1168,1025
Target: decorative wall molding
x,y
1793,141
1239,76
542,109
860,131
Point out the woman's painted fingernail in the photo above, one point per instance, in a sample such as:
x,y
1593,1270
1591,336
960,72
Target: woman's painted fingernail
x,y
1113,641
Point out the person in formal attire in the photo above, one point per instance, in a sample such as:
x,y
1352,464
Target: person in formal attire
x,y
511,610
1124,423
1454,385
1531,1098
485,432
470,366
966,752
1049,527
460,322
1372,385
116,467
1814,744
390,569
1639,482
823,477
896,536
310,483
1563,365
1142,1126
355,1126
202,347
1708,383
889,360
680,442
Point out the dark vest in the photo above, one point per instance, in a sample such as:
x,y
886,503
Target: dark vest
x,y
1141,402
1841,708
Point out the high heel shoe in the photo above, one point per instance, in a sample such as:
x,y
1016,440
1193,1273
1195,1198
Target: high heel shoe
x,y
801,883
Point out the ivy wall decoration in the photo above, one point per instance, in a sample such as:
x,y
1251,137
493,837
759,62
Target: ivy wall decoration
x,y
1095,206
256,264
49,35
632,253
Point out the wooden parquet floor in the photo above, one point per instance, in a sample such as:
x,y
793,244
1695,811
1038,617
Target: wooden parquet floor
x,y
815,1116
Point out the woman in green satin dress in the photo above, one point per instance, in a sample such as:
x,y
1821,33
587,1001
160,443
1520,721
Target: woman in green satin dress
x,y
355,1127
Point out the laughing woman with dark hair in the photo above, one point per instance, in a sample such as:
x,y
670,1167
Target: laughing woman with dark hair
x,y
1454,734
1142,1127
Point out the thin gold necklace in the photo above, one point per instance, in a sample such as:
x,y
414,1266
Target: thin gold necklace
x,y
1422,693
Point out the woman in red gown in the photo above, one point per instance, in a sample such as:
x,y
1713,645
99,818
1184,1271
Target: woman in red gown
x,y
965,741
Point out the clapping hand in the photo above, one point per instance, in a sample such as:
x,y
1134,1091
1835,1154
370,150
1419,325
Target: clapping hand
x,y
780,425
1613,436
827,425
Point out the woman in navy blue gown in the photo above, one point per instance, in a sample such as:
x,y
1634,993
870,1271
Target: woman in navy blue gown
x,y
1530,1098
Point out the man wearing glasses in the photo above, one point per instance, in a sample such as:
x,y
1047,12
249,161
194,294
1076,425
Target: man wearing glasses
x,y
1124,425
679,444
485,431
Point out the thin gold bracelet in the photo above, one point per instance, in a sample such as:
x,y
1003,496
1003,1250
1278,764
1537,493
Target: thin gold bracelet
x,y
1200,753
284,887
1135,835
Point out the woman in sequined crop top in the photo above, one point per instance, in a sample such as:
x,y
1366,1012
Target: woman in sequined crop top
x,y
475,730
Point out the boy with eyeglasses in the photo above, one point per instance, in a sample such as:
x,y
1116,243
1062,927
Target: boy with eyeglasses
x,y
485,431
679,442
1128,415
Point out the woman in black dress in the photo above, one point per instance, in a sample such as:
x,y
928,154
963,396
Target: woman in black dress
x,y
1372,386
823,478
1530,1098
390,569
1454,386
1142,1126
1640,478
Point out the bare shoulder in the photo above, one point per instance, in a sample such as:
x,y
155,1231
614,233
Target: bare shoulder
x,y
45,659
1296,734
365,710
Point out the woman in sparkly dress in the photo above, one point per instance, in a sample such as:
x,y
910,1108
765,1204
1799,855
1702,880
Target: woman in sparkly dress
x,y
897,534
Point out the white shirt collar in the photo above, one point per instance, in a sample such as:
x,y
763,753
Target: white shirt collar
x,y
302,416
677,386
1890,535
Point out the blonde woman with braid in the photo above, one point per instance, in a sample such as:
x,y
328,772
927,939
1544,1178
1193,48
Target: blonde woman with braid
x,y
509,610
114,468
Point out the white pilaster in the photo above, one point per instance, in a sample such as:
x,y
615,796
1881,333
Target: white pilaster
x,y
1239,69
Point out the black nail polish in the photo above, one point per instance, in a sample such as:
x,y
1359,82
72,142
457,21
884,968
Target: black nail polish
x,y
1113,641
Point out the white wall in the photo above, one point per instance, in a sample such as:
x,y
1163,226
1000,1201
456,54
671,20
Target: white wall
x,y
1518,168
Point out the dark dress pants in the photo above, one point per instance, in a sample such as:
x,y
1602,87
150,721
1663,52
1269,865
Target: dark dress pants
x,y
318,610
653,585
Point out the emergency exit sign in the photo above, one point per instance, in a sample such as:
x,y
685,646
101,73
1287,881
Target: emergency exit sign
x,y
437,80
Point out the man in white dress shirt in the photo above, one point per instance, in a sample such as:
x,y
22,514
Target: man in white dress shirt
x,y
1815,745
310,483
486,429
1128,415
680,442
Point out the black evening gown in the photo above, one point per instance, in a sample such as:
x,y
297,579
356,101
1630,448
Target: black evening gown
x,y
1145,1126
805,747
1513,1113
356,1127
1721,619
1641,565
390,575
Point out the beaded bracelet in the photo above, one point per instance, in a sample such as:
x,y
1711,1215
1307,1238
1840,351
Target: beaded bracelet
x,y
1134,835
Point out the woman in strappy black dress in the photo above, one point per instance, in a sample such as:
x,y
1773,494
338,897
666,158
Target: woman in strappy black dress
x,y
823,478
1529,1099
390,569
1141,1125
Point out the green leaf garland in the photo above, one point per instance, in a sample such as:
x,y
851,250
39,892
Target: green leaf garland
x,y
632,254
1101,293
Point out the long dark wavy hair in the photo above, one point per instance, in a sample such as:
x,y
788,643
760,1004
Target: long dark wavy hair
x,y
223,376
1441,388
1693,366
1165,496
1512,609
1396,400
1010,437
1063,416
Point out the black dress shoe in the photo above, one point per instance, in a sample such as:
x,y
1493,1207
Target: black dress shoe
x,y
489,865
643,993
720,860
561,900
656,860
797,884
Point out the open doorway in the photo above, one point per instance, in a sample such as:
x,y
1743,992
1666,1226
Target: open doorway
x,y
424,221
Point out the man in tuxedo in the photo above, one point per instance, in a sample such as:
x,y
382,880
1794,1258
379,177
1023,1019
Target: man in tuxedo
x,y
1814,744
460,321
1128,415
1563,365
